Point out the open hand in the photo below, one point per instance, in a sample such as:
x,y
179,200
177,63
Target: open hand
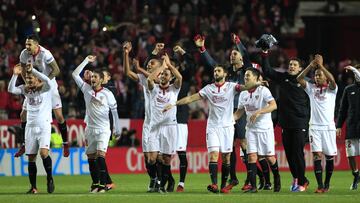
x,y
91,58
17,69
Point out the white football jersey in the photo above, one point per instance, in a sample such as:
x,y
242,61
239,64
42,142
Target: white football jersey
x,y
159,99
322,105
40,61
252,101
221,104
98,104
143,83
38,105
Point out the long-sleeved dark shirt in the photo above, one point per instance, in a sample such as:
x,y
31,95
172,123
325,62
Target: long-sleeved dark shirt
x,y
293,103
350,111
186,69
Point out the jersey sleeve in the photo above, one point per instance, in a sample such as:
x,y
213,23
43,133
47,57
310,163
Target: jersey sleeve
x,y
142,80
267,95
48,57
308,88
204,92
241,101
23,57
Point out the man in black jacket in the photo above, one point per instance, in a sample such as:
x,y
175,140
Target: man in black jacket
x,y
350,111
294,115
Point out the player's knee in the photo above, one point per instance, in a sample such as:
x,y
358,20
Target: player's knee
x,y
91,156
213,156
166,159
100,154
44,153
32,157
226,158
317,156
252,157
329,158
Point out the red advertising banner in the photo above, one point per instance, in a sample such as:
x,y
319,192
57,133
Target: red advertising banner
x,y
131,160
76,129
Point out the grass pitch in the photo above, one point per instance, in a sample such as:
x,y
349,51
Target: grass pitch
x,y
132,188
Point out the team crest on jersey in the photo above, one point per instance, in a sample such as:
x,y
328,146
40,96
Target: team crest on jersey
x,y
256,97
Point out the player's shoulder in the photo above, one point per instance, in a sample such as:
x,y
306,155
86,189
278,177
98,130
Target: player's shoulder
x,y
24,53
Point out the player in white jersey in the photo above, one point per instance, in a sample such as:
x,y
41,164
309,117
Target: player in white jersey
x,y
43,60
38,127
220,123
322,130
258,103
150,150
99,101
163,124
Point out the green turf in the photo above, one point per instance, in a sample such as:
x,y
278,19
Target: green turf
x,y
131,188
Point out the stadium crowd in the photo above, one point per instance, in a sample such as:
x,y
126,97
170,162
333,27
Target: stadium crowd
x,y
75,29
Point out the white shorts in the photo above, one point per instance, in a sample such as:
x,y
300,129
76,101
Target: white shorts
x,y
167,136
262,143
220,139
55,100
323,141
352,147
153,141
145,138
182,137
37,138
96,139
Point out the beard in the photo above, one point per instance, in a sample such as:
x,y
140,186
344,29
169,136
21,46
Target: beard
x,y
218,79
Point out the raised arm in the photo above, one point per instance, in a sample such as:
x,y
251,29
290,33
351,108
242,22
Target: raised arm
x,y
183,101
153,76
242,49
47,82
328,75
76,73
301,77
158,48
16,72
178,77
188,69
269,71
139,69
355,71
200,43
126,64
55,70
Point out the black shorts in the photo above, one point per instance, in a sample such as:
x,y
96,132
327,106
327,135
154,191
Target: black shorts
x,y
239,131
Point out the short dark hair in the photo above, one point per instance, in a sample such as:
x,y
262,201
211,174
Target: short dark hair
x,y
254,71
99,71
33,37
222,66
298,60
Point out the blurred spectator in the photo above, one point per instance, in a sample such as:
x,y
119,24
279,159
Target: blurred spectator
x,y
88,27
128,138
4,101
